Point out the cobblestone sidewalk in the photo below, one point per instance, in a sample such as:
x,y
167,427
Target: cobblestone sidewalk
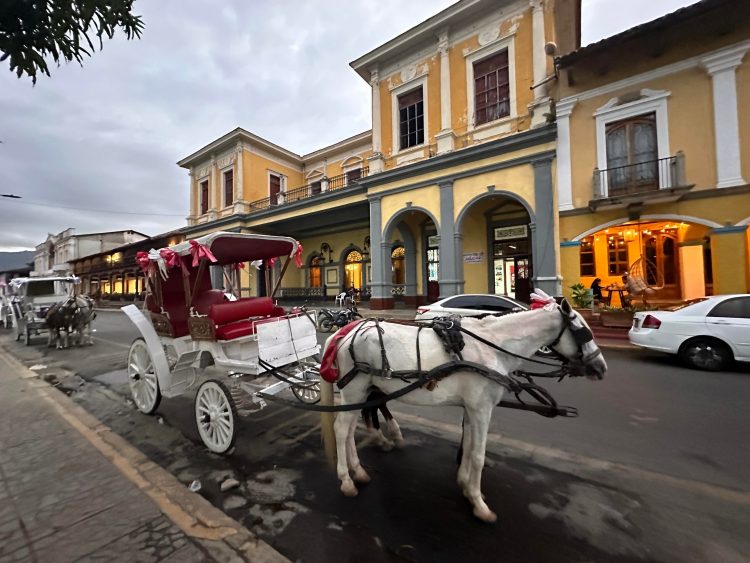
x,y
62,499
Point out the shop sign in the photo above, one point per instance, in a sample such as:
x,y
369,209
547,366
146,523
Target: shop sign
x,y
507,233
474,258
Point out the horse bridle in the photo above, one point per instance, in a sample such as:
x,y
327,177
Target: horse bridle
x,y
582,335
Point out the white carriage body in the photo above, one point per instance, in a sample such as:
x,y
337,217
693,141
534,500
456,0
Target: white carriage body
x,y
190,330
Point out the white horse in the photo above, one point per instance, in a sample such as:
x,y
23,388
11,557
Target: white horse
x,y
523,333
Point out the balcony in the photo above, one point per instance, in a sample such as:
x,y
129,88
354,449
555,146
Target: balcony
x,y
641,178
309,191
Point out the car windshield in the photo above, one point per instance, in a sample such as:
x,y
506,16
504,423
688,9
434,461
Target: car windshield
x,y
686,304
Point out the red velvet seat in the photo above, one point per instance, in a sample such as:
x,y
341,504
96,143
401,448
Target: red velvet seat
x,y
235,319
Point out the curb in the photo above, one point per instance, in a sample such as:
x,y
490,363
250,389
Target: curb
x,y
222,537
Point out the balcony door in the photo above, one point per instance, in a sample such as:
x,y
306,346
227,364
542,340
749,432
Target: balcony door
x,y
274,187
632,156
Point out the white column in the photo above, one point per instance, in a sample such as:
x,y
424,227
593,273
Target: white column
x,y
239,183
375,85
564,170
721,67
445,136
194,204
376,160
539,57
445,81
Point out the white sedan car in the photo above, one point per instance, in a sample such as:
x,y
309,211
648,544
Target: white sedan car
x,y
707,333
469,304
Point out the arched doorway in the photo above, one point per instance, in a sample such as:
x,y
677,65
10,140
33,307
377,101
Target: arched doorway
x,y
496,247
353,269
398,270
410,253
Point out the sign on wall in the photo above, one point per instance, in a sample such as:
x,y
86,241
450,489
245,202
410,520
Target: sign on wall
x,y
474,258
506,233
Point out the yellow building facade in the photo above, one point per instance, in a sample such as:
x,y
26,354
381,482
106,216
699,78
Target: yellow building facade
x,y
653,155
503,157
452,191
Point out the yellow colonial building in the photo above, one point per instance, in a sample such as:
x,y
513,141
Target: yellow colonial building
x,y
653,154
503,156
452,191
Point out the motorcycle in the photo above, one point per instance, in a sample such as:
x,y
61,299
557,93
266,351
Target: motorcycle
x,y
333,319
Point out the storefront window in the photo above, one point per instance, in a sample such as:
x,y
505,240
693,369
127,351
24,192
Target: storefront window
x,y
588,267
353,269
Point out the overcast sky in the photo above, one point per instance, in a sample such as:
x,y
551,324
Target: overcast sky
x,y
107,136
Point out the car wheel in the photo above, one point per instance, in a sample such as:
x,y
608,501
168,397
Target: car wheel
x,y
706,354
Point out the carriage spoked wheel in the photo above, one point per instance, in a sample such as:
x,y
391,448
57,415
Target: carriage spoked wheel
x,y
144,385
308,393
216,416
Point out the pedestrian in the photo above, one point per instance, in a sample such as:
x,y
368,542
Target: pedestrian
x,y
596,290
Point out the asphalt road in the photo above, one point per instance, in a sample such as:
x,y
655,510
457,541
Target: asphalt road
x,y
654,468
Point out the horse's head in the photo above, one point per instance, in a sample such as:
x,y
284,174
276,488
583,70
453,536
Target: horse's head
x,y
574,341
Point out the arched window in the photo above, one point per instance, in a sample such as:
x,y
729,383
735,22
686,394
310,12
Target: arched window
x,y
353,269
397,265
316,268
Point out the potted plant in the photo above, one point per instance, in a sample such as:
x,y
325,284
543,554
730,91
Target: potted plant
x,y
581,296
616,317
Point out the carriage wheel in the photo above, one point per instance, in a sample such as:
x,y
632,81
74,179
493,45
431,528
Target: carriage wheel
x,y
216,416
308,393
144,385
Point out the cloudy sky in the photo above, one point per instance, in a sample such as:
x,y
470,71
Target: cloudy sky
x,y
104,138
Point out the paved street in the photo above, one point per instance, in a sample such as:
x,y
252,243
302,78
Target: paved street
x,y
653,469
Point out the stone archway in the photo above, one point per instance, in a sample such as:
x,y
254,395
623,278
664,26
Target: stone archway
x,y
410,227
496,246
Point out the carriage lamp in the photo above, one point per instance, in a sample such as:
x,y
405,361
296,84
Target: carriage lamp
x,y
325,247
366,248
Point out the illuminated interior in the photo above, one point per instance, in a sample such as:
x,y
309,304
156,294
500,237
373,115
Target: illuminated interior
x,y
660,253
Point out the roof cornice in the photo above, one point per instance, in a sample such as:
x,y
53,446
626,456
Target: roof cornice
x,y
349,142
238,134
427,29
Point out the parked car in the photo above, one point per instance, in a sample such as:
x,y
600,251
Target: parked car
x,y
469,304
707,333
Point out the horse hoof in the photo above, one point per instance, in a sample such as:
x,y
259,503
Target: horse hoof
x,y
349,489
485,515
360,476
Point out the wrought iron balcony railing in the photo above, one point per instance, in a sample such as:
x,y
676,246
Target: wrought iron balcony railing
x,y
648,176
311,190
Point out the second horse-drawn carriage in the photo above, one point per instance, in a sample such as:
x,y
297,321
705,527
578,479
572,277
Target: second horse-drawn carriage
x,y
31,299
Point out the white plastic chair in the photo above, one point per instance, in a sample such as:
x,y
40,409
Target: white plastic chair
x,y
341,299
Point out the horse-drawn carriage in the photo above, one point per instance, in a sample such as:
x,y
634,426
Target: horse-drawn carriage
x,y
31,300
193,335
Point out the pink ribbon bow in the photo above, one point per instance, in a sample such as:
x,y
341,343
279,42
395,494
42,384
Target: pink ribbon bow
x,y
143,261
270,262
172,259
238,266
298,255
199,251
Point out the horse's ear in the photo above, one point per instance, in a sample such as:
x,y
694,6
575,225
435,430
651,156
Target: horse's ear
x,y
565,306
